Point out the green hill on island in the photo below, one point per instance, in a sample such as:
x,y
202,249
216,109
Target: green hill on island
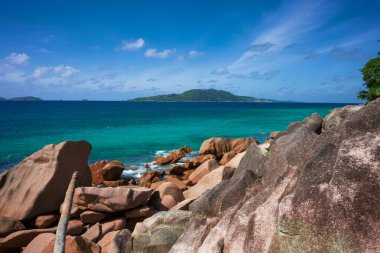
x,y
27,98
200,95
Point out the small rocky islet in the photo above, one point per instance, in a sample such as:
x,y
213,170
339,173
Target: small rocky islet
x,y
314,187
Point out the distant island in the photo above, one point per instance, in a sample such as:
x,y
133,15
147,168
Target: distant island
x,y
201,95
27,98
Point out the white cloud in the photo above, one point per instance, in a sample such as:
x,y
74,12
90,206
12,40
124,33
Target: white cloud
x,y
40,71
194,54
65,71
132,45
17,59
54,75
9,73
153,53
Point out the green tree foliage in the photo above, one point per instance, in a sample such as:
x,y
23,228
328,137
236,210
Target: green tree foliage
x,y
371,78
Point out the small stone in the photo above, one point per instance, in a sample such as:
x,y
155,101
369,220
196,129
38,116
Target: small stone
x,y
91,217
45,221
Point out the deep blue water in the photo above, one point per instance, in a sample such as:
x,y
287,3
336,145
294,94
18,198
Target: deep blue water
x,y
133,132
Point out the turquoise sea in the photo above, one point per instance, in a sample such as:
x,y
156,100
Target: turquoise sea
x,y
134,132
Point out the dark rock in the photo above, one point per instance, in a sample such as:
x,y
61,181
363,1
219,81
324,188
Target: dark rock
x,y
9,225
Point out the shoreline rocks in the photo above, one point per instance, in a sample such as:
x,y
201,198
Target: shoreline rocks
x,y
311,188
220,146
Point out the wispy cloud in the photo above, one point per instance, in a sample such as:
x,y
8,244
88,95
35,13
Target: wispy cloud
x,y
132,45
293,21
55,75
255,75
17,58
154,53
220,71
260,47
194,54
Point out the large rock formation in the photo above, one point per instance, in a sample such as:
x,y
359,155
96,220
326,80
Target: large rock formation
x,y
38,184
111,199
220,146
315,191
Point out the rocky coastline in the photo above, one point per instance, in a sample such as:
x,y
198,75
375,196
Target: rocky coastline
x,y
314,187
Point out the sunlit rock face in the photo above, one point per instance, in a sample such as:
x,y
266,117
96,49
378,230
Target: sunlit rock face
x,y
37,185
317,190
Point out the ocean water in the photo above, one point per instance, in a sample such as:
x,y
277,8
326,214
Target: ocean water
x,y
135,132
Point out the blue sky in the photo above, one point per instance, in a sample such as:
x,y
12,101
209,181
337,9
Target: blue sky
x,y
115,50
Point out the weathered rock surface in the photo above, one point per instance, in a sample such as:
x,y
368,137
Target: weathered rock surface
x,y
313,192
38,184
227,157
40,244
24,237
75,211
165,197
234,162
159,232
111,199
338,115
208,181
220,146
143,211
180,184
96,171
117,183
44,243
74,227
173,157
120,243
112,170
45,221
150,177
113,225
273,135
9,225
202,170
183,205
93,233
91,217
197,161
